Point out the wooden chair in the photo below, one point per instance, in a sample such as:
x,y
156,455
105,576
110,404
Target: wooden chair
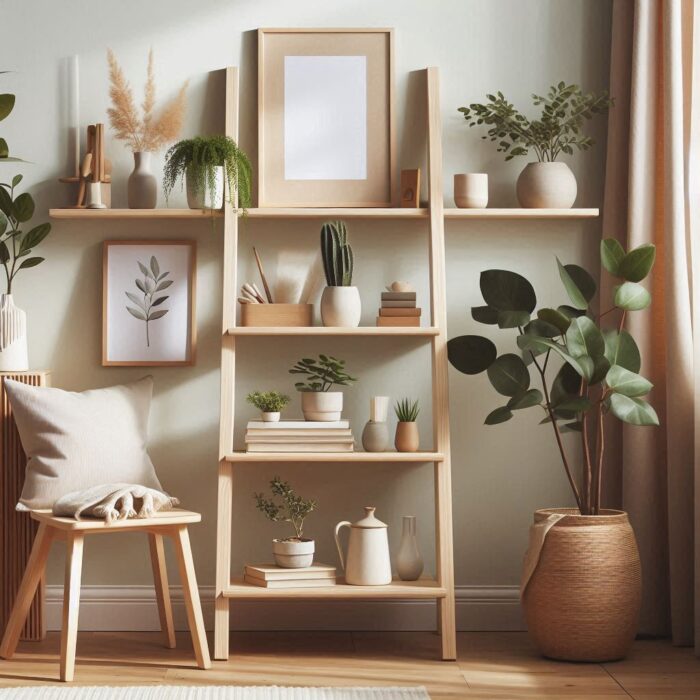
x,y
171,524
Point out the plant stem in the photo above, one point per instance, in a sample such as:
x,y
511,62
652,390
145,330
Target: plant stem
x,y
601,450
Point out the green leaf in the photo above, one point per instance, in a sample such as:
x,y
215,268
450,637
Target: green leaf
x,y
512,319
570,312
34,237
637,264
5,202
555,318
23,207
622,350
471,354
527,399
600,369
30,262
155,268
573,427
543,328
7,103
157,314
3,223
566,385
507,291
137,313
579,285
631,297
485,314
611,255
585,338
632,410
576,404
583,365
16,180
509,375
623,381
4,149
498,415
4,253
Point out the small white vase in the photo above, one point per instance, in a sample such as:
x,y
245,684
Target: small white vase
x,y
204,198
295,554
142,186
322,405
409,562
13,336
546,186
271,416
471,190
341,306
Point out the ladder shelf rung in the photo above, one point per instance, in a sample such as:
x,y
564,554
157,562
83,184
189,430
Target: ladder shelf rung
x,y
374,457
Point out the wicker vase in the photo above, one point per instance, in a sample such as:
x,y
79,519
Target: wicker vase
x,y
582,601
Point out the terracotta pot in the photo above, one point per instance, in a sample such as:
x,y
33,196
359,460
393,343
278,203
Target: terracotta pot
x,y
294,554
582,601
322,405
406,439
341,306
205,199
471,190
546,186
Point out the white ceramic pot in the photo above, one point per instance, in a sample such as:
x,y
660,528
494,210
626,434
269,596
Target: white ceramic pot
x,y
322,405
367,562
142,186
293,554
546,186
341,306
471,190
13,336
271,416
205,199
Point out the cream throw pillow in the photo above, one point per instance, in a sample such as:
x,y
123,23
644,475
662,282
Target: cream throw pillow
x,y
77,440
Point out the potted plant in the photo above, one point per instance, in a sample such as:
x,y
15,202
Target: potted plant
x,y
406,439
205,162
270,403
582,582
340,301
318,403
297,551
547,182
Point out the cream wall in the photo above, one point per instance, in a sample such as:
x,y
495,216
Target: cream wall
x,y
500,474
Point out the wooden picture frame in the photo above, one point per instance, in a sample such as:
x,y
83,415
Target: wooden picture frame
x,y
127,274
303,161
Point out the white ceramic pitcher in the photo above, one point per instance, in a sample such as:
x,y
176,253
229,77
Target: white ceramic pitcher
x,y
367,562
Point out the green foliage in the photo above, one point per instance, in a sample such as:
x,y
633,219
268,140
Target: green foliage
x,y
336,252
407,410
565,110
268,401
145,303
293,509
7,104
321,373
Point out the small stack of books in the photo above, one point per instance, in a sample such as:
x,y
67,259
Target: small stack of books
x,y
398,309
299,436
271,576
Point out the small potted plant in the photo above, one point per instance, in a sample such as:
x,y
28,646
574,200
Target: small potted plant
x,y
406,439
205,163
340,301
546,183
297,551
270,403
318,403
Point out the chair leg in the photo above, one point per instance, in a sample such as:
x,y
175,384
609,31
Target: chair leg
x,y
71,604
30,581
160,579
188,579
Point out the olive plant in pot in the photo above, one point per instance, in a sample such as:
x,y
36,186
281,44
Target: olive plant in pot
x,y
340,301
296,551
581,587
318,403
270,404
546,182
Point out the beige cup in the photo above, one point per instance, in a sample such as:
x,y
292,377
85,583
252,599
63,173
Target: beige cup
x,y
471,190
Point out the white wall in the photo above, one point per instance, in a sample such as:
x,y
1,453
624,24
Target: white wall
x,y
500,473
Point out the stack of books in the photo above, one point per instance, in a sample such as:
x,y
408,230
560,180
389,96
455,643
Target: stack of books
x,y
271,576
299,436
398,309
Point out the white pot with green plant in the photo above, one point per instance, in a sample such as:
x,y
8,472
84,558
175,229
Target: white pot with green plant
x,y
297,551
318,403
209,165
406,438
546,183
270,404
340,301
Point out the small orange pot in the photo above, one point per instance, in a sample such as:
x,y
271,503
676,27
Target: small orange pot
x,y
406,439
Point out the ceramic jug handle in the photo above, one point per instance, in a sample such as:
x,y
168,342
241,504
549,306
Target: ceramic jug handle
x,y
345,523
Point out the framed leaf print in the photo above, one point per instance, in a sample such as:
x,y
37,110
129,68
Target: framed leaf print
x,y
148,297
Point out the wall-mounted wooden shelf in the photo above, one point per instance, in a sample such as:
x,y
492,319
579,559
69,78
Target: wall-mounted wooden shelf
x,y
102,214
336,213
371,457
521,213
331,330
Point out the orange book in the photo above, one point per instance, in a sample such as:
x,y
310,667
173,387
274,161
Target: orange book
x,y
399,312
398,321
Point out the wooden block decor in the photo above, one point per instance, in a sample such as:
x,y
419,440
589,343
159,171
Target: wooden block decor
x,y
17,529
410,188
276,314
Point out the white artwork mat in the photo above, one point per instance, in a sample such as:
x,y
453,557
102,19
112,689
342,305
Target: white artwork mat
x,y
325,117
163,339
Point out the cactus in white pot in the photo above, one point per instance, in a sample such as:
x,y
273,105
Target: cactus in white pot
x,y
340,302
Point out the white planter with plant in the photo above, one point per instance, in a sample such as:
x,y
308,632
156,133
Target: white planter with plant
x,y
270,404
297,551
546,183
318,403
340,301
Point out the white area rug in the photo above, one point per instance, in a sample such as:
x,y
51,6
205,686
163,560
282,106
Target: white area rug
x,y
229,692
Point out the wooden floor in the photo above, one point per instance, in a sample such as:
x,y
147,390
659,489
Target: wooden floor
x,y
493,665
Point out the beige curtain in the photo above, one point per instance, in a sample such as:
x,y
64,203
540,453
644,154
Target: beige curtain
x,y
652,196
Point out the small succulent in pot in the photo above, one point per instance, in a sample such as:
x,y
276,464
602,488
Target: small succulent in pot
x,y
270,404
340,302
295,551
407,439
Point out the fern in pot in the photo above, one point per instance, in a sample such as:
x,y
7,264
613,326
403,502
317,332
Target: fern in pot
x,y
340,301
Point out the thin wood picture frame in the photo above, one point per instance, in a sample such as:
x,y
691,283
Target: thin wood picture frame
x,y
303,162
122,312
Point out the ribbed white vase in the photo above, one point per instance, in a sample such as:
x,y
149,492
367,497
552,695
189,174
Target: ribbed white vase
x,y
13,336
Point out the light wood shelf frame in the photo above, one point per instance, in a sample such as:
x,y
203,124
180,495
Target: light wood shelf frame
x,y
367,457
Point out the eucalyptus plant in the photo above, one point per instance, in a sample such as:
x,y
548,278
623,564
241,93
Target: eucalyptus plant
x,y
600,370
321,373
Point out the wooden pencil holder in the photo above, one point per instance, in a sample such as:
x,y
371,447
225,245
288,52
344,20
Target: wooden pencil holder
x,y
277,314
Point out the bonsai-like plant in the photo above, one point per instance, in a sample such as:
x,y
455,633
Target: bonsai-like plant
x,y
198,158
600,373
406,410
565,110
293,509
322,373
268,401
337,254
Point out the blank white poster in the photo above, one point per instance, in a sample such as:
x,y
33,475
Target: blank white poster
x,y
325,117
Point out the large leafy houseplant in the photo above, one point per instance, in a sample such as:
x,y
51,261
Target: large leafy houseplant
x,y
601,364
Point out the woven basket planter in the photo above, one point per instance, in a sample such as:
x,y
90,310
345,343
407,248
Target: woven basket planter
x,y
582,601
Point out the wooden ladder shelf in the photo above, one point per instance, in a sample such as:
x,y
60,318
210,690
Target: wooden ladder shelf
x,y
441,589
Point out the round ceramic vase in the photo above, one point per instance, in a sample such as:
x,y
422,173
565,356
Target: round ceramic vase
x,y
375,436
341,306
471,190
546,186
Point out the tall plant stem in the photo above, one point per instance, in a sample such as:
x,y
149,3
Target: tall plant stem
x,y
599,466
587,467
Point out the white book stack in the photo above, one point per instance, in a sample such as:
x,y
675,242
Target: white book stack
x,y
299,436
271,576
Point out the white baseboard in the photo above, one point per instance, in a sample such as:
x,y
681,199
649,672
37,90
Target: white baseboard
x,y
125,608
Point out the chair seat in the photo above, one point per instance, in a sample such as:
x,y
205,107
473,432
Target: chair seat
x,y
165,518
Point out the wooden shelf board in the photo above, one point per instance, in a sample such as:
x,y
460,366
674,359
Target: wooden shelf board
x,y
516,213
336,213
423,588
94,214
335,457
328,330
